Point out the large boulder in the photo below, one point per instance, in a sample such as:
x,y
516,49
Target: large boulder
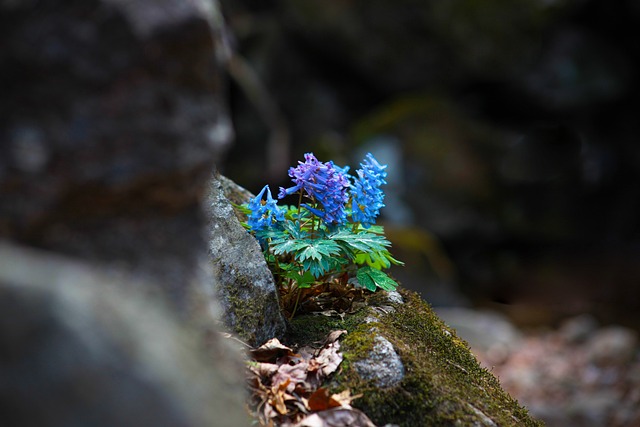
x,y
244,283
411,368
113,119
112,122
84,346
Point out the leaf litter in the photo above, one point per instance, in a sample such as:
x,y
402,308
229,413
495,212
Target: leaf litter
x,y
287,386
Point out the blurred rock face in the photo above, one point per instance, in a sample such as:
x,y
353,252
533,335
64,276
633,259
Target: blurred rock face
x,y
112,122
82,347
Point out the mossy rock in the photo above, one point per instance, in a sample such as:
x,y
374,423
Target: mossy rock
x,y
443,383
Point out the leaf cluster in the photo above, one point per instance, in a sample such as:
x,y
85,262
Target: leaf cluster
x,y
329,237
303,251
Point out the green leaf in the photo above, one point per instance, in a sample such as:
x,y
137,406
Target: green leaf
x,y
377,260
371,278
302,281
316,249
361,241
317,268
365,280
243,209
391,259
287,246
375,229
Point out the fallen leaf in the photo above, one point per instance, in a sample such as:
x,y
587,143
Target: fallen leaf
x,y
320,400
270,351
344,398
333,337
337,417
263,369
278,397
329,358
292,374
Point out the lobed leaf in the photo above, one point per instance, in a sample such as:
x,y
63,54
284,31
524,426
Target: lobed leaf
x,y
316,249
361,241
371,278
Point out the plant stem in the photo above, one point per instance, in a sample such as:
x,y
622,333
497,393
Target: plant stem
x,y
295,306
299,204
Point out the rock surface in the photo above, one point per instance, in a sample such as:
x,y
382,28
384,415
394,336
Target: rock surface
x,y
113,119
83,346
245,286
410,367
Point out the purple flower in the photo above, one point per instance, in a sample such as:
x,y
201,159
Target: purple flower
x,y
367,196
263,215
326,183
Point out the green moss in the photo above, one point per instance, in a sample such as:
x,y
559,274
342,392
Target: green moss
x,y
443,384
309,329
248,311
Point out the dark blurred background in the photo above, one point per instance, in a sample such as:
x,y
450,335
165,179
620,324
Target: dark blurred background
x,y
510,129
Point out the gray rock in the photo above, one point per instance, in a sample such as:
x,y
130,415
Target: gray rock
x,y
612,345
245,285
579,328
382,366
394,297
483,330
113,119
82,346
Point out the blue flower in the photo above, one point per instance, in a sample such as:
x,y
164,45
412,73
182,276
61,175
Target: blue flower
x,y
263,215
326,183
367,196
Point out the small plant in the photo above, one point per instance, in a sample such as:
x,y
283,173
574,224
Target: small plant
x,y
329,238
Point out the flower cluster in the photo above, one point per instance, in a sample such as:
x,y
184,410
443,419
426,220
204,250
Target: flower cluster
x,y
367,195
327,238
264,215
331,191
325,183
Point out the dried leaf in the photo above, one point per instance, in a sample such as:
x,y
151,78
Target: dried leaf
x,y
291,374
278,397
264,369
329,313
270,351
329,358
333,337
320,400
337,417
344,398
286,386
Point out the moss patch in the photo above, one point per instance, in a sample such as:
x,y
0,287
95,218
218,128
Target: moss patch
x,y
443,383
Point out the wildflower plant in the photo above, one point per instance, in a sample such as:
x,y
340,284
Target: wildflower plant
x,y
329,236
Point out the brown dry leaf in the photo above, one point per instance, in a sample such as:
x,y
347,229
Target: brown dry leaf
x,y
329,358
270,351
320,400
329,313
337,417
333,337
264,369
278,397
268,413
285,385
292,374
344,398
